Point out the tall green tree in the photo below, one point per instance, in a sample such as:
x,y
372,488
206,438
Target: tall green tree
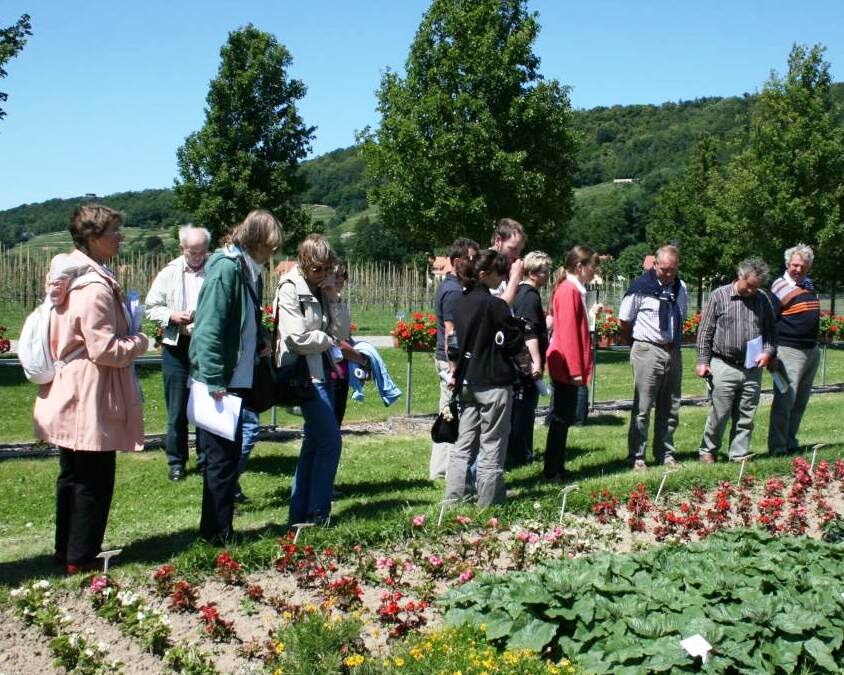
x,y
472,132
686,215
787,186
246,156
12,41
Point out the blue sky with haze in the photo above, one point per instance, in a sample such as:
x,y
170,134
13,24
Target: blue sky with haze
x,y
105,92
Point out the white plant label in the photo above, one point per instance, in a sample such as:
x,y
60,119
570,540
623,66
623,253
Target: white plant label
x,y
696,645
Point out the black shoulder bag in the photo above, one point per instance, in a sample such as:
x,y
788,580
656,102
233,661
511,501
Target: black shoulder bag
x,y
293,381
446,427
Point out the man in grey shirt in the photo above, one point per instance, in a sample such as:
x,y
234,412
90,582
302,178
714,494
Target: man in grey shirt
x,y
652,314
735,318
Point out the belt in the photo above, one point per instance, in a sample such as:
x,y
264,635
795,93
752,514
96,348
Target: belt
x,y
732,362
667,346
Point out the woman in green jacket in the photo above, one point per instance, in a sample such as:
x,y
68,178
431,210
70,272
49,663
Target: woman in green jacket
x,y
227,339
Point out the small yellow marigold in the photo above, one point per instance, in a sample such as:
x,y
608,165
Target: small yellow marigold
x,y
398,662
353,661
279,648
416,653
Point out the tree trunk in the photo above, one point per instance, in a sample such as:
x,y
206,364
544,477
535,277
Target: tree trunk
x,y
832,294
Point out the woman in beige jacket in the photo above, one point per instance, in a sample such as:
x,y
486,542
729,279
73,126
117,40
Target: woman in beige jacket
x,y
93,406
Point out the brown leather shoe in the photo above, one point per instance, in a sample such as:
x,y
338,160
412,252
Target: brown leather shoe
x,y
707,458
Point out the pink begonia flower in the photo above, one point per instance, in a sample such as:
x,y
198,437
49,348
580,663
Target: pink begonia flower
x,y
435,560
463,520
533,538
98,584
523,536
493,522
466,575
419,521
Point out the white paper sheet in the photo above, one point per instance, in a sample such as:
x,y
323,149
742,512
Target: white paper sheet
x,y
752,350
206,412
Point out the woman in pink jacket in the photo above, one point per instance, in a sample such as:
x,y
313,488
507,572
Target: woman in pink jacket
x,y
569,356
93,406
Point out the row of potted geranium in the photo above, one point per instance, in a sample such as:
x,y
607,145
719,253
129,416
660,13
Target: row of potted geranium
x,y
608,327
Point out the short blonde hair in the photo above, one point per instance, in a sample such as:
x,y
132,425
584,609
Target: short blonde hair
x,y
259,228
536,260
315,251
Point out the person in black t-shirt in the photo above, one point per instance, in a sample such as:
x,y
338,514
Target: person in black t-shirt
x,y
483,374
449,290
527,306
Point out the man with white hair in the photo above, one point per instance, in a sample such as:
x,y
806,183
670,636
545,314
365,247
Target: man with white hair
x,y
736,339
798,312
171,303
651,314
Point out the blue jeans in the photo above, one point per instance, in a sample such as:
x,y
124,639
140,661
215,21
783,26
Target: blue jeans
x,y
251,425
313,481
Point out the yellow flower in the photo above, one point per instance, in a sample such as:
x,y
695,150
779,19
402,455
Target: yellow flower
x,y
353,661
310,609
278,671
286,615
416,653
398,661
279,648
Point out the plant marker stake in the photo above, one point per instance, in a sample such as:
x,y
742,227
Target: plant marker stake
x,y
443,504
696,645
661,485
299,527
815,449
107,556
565,492
743,462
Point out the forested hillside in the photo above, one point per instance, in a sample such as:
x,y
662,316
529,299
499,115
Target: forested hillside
x,y
148,209
648,143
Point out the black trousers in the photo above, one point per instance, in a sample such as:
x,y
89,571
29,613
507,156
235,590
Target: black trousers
x,y
175,369
564,415
84,489
219,483
523,416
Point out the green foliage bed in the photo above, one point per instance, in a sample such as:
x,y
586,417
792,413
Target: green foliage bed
x,y
765,604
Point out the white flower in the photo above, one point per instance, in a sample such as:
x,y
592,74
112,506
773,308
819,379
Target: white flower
x,y
141,616
17,592
102,646
42,583
89,652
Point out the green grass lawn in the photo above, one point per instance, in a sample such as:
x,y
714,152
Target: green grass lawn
x,y
613,381
384,481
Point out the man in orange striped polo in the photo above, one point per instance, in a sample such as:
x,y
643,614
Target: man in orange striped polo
x,y
798,314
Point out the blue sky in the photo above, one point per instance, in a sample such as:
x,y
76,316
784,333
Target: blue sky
x,y
105,91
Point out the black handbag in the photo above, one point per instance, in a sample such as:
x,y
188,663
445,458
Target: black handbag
x,y
263,394
287,385
293,383
446,427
